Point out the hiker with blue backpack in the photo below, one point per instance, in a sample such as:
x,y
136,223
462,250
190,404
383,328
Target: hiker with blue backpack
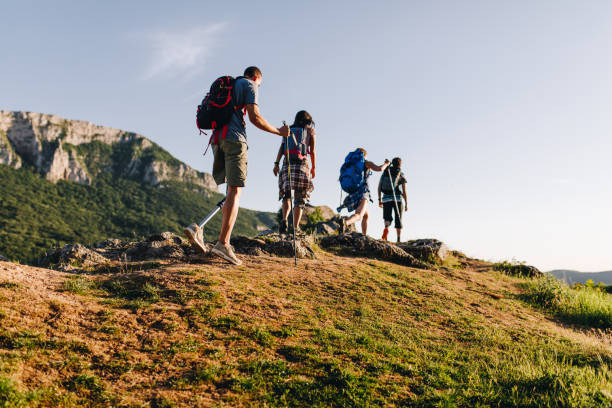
x,y
223,111
390,196
298,177
354,175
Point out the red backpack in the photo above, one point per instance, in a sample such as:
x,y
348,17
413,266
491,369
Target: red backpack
x,y
218,105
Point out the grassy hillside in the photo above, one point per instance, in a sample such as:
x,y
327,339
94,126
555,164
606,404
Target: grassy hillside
x,y
337,332
36,214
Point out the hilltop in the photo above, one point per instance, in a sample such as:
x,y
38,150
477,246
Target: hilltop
x,y
67,181
357,323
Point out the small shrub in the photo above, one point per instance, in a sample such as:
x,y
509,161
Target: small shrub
x,y
517,269
79,285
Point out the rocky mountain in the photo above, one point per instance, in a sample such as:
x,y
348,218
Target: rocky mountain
x,y
572,277
71,181
78,151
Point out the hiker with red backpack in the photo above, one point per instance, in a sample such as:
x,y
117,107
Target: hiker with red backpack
x,y
390,196
354,175
301,143
223,110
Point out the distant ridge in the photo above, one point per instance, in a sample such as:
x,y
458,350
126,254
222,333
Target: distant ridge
x,y
572,277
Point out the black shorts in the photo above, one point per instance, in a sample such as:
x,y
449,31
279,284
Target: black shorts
x,y
389,209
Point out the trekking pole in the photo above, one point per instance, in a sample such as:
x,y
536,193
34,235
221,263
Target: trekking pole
x,y
399,214
213,212
290,194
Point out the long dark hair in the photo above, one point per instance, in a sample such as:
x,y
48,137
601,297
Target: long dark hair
x,y
396,163
303,119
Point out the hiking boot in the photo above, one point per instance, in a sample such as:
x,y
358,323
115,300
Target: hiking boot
x,y
195,236
225,252
282,228
385,234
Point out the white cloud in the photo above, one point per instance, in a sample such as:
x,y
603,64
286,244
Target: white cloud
x,y
181,53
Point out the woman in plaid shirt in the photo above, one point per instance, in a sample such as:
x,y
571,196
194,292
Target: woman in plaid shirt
x,y
301,173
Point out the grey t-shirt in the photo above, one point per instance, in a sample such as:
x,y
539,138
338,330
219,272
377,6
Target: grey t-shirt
x,y
245,93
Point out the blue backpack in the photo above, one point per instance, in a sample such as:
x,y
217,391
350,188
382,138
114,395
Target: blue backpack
x,y
352,175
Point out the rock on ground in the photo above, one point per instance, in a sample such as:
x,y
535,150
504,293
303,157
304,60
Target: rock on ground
x,y
71,257
361,245
427,250
274,244
3,258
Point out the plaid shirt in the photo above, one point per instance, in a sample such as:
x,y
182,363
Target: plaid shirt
x,y
351,201
300,178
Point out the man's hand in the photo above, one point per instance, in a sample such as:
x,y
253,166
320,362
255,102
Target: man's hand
x,y
275,170
406,208
380,203
284,131
312,172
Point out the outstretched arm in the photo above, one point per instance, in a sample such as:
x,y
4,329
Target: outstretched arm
x,y
261,123
372,166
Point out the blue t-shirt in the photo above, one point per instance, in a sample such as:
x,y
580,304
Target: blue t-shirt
x,y
245,93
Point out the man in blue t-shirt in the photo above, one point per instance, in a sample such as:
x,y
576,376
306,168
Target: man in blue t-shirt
x,y
231,159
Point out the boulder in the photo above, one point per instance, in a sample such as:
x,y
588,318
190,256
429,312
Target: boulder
x,y
3,258
427,250
332,226
322,212
274,244
73,256
326,228
357,244
159,246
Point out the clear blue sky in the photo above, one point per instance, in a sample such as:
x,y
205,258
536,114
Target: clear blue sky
x,y
500,110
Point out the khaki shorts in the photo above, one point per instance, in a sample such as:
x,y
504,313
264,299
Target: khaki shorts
x,y
230,162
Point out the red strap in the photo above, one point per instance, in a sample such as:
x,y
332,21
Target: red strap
x,y
224,131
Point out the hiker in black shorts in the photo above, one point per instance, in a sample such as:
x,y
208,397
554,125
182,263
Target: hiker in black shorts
x,y
301,144
390,196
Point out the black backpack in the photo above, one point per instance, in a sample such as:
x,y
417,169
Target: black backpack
x,y
389,186
218,105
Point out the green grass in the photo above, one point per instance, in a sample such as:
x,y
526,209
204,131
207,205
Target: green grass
x,y
11,397
355,334
584,305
